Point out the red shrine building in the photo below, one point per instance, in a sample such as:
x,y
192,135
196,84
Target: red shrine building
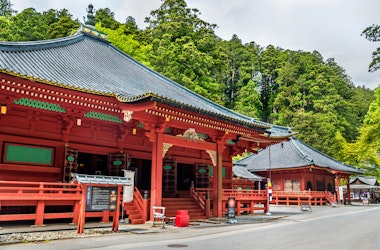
x,y
299,173
80,105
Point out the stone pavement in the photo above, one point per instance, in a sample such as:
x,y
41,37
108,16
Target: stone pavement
x,y
22,227
17,233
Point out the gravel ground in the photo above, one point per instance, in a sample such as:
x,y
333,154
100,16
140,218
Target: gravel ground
x,y
52,235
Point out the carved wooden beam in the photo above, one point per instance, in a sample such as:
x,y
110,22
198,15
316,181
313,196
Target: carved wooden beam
x,y
188,143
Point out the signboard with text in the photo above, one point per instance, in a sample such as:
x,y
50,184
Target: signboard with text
x,y
101,198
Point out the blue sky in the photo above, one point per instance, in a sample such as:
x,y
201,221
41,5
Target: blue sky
x,y
332,27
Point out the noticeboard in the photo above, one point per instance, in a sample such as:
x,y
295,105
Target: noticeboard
x,y
101,198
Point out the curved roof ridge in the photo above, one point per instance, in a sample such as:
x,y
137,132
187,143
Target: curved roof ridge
x,y
183,88
299,151
41,44
324,155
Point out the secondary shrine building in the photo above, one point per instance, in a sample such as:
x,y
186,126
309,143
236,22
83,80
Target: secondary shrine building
x,y
299,173
80,105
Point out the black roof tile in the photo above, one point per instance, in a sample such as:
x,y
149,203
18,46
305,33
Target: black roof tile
x,y
292,154
86,63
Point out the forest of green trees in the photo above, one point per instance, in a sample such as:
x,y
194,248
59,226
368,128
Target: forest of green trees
x,y
298,89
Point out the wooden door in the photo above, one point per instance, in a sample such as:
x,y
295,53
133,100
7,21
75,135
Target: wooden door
x,y
71,163
117,162
201,176
169,178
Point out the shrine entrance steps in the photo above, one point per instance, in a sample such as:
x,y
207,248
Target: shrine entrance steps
x,y
174,204
133,214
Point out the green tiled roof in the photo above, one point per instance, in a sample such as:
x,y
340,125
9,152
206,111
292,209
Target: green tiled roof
x,y
87,63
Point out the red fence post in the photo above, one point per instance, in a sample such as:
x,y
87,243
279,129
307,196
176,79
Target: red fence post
x,y
76,211
115,222
105,216
82,212
251,207
238,207
207,205
145,208
40,210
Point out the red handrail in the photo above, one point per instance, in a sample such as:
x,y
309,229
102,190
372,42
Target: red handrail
x,y
244,194
139,202
39,195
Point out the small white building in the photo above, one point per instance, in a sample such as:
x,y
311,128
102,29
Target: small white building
x,y
364,189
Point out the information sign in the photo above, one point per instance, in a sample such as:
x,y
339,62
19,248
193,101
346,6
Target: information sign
x,y
101,198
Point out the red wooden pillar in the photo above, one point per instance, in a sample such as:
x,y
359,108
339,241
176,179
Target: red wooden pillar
x,y
348,190
303,186
215,192
337,185
218,182
156,178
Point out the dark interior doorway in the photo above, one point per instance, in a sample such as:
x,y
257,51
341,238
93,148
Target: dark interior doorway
x,y
143,172
92,164
185,175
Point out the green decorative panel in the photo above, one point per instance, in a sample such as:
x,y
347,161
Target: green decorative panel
x,y
117,163
140,125
168,167
28,154
202,170
211,172
70,158
103,117
39,105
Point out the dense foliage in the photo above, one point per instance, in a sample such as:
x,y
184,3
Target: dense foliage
x,y
299,89
30,25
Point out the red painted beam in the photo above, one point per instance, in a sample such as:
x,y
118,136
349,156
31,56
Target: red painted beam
x,y
17,167
137,106
188,143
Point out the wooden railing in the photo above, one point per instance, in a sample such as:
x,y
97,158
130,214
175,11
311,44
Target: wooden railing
x,y
298,197
35,197
245,194
247,201
141,203
202,196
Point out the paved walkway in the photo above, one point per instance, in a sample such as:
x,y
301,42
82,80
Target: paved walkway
x,y
276,213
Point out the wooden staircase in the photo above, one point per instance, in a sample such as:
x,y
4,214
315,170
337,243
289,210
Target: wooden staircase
x,y
331,199
174,204
133,214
